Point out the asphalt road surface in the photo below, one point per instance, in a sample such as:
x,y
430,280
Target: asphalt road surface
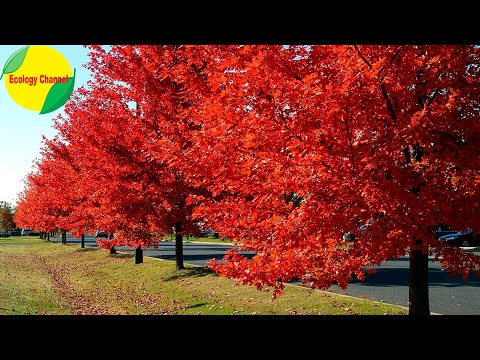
x,y
193,253
450,296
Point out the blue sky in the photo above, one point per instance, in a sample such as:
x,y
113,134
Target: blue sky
x,y
21,130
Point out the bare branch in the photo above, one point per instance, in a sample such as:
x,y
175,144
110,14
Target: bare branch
x,y
362,57
295,75
390,108
394,57
350,143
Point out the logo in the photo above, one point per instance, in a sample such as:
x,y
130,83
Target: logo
x,y
38,78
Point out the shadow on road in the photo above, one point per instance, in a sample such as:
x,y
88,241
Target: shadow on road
x,y
399,277
192,257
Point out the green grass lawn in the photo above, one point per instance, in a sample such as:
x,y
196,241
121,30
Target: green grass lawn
x,y
40,277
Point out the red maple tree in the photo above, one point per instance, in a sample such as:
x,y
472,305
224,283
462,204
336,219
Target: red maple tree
x,y
45,204
127,131
328,160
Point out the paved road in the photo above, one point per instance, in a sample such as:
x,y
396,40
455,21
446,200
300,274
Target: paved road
x,y
450,296
193,253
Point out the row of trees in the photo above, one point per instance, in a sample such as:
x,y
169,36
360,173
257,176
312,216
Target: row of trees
x,y
283,149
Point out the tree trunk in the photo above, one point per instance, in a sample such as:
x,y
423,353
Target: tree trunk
x,y
82,243
64,237
418,284
178,246
48,236
138,255
112,249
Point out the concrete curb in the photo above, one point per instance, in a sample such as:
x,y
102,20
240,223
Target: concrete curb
x,y
358,298
298,286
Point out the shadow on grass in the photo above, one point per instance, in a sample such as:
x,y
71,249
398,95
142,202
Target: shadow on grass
x,y
196,305
121,256
13,310
17,241
87,249
188,273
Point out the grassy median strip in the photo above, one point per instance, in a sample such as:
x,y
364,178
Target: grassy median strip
x,y
40,277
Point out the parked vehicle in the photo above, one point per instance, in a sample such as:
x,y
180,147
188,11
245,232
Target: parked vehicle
x,y
16,232
26,232
206,232
460,238
443,231
101,234
4,233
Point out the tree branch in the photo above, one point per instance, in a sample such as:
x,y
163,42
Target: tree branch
x,y
295,75
390,108
362,57
350,143
383,69
281,115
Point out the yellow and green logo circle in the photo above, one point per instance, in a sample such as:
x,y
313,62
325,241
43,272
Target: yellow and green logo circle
x,y
38,78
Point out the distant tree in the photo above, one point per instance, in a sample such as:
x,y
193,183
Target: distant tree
x,y
6,216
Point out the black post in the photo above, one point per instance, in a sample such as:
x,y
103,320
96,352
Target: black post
x,y
178,246
82,244
418,284
138,255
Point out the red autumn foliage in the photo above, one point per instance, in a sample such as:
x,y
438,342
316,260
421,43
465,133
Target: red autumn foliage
x,y
283,149
307,144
